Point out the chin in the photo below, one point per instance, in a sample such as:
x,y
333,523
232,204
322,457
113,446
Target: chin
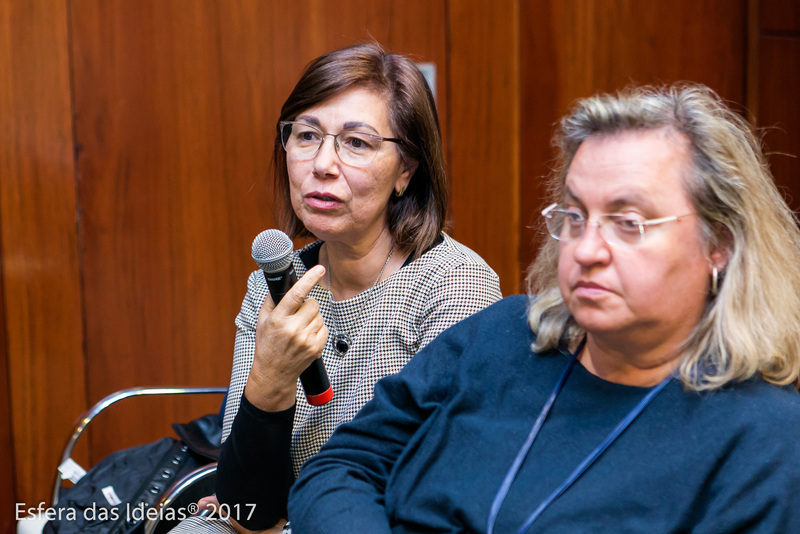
x,y
319,226
596,320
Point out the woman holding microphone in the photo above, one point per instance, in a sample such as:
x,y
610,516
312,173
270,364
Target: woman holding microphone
x,y
359,166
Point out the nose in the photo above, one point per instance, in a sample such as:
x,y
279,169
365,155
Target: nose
x,y
591,247
326,160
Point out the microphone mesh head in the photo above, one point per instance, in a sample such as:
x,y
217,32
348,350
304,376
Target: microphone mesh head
x,y
272,251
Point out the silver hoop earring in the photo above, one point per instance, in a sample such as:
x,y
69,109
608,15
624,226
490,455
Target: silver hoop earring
x,y
714,281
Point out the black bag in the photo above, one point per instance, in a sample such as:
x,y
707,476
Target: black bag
x,y
138,476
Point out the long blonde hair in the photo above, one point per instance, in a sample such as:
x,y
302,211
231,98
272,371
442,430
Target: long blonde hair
x,y
752,325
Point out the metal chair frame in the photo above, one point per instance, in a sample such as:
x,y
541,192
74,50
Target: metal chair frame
x,y
176,491
86,417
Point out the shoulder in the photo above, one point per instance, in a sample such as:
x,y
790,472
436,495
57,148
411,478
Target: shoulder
x,y
451,251
450,260
504,321
756,396
257,285
512,311
763,405
749,412
748,435
497,337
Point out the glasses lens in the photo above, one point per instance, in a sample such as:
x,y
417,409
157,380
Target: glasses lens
x,y
626,229
356,148
565,225
300,139
286,131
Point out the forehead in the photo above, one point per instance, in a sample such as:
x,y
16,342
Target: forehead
x,y
354,107
639,168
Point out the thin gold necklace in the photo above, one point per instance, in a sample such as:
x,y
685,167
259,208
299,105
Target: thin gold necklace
x,y
341,340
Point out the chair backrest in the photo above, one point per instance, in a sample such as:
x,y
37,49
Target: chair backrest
x,y
86,418
180,497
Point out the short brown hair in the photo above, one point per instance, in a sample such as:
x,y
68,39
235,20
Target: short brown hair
x,y
417,217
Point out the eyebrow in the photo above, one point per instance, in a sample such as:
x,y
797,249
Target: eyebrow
x,y
569,194
354,125
309,119
632,199
348,126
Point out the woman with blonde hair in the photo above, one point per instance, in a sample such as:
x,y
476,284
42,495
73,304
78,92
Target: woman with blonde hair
x,y
757,308
645,385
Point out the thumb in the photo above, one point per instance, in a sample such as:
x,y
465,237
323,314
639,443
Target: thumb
x,y
295,297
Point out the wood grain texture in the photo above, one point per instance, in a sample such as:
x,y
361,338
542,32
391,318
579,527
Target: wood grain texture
x,y
779,111
8,490
171,193
576,48
40,261
484,132
779,15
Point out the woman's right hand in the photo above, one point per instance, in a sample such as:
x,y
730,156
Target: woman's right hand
x,y
289,337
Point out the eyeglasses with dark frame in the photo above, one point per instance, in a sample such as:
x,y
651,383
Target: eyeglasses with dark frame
x,y
302,141
616,228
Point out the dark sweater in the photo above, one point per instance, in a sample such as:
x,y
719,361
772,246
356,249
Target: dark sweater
x,y
429,453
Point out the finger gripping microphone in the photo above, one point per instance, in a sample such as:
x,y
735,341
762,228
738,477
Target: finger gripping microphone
x,y
272,252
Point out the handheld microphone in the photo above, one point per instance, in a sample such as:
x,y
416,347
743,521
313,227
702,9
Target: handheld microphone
x,y
272,252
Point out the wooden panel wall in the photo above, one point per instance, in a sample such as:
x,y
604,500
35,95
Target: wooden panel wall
x,y
484,118
40,268
136,148
776,105
7,484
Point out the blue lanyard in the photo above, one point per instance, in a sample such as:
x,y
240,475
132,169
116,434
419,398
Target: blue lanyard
x,y
592,456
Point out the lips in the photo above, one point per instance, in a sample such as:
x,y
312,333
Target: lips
x,y
589,285
322,201
587,289
327,197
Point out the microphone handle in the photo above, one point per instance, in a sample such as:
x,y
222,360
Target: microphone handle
x,y
314,379
280,283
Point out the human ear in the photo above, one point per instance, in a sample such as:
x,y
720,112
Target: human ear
x,y
401,184
720,253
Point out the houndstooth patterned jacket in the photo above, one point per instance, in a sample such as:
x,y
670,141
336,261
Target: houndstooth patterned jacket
x,y
407,310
